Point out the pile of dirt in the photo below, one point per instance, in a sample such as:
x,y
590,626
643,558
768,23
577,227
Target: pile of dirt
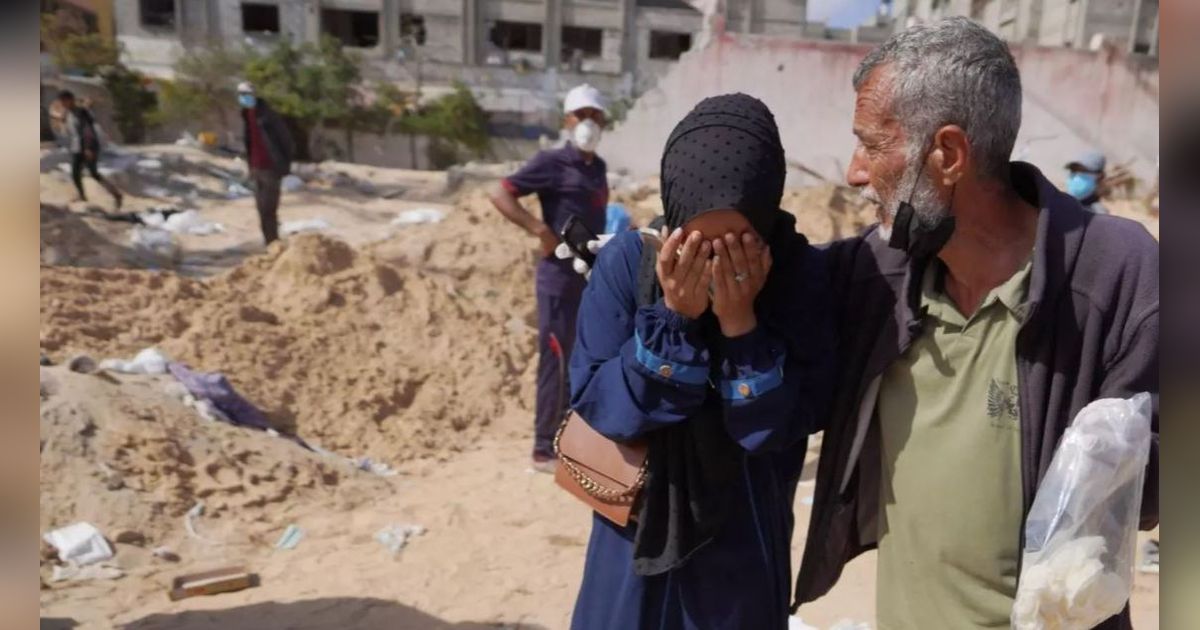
x,y
367,358
69,238
823,213
828,212
128,456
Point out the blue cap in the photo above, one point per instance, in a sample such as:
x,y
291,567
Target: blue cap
x,y
1092,162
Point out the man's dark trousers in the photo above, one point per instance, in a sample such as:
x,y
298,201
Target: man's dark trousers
x,y
559,291
266,198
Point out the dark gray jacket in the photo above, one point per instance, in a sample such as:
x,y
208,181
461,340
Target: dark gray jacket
x,y
275,131
1089,330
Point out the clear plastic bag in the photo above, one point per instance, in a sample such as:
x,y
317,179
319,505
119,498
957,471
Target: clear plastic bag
x,y
1080,535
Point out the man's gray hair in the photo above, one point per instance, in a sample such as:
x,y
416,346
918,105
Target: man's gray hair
x,y
953,72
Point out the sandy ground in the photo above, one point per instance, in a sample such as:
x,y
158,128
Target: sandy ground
x,y
298,330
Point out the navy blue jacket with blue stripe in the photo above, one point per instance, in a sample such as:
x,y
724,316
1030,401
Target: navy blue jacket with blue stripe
x,y
637,369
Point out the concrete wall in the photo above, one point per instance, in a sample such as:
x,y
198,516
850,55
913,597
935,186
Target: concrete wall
x,y
152,50
1111,18
1073,100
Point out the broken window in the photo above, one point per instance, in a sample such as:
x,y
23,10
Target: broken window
x,y
525,36
585,40
668,45
260,18
157,13
359,29
412,28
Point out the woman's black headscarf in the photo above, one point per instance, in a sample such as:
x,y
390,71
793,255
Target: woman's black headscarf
x,y
724,154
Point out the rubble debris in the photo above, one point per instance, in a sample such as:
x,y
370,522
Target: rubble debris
x,y
291,183
303,225
417,216
148,361
81,363
395,537
226,580
75,573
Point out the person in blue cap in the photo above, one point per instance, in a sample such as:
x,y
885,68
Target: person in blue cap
x,y
1085,176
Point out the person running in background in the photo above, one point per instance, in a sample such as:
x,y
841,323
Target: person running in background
x,y
268,155
83,141
570,181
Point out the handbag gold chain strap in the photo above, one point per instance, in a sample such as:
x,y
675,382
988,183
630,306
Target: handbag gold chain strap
x,y
593,487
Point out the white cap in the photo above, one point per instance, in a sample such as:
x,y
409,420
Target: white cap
x,y
245,86
582,96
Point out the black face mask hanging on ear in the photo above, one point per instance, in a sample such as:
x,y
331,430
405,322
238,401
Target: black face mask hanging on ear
x,y
915,238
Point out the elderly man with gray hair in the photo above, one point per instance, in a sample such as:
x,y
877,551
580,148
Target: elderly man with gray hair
x,y
980,315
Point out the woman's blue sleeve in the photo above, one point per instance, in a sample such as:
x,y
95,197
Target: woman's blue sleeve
x,y
633,369
775,398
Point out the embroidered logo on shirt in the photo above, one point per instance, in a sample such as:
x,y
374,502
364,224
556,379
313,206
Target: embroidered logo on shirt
x,y
1002,403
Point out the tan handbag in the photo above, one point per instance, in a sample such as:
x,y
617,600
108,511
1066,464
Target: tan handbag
x,y
605,475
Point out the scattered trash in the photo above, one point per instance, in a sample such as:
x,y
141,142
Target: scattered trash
x,y
378,468
189,522
395,537
303,225
215,388
796,623
186,139
290,538
1149,557
224,580
75,573
850,624
81,363
156,191
418,216
236,189
517,326
79,544
291,183
156,242
148,361
185,222
205,408
150,164
163,553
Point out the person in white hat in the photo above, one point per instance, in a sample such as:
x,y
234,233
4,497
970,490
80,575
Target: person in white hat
x,y
269,153
571,181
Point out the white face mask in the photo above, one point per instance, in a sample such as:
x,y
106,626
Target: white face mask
x,y
586,135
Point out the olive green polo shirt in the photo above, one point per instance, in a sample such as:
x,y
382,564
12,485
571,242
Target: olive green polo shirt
x,y
950,492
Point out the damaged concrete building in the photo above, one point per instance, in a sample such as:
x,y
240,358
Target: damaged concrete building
x,y
1129,24
614,44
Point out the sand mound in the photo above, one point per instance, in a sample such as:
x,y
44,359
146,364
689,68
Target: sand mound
x,y
128,456
69,238
349,352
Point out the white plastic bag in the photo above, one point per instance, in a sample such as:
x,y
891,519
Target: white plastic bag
x,y
79,544
1080,535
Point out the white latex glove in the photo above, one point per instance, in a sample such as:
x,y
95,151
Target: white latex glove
x,y
564,252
